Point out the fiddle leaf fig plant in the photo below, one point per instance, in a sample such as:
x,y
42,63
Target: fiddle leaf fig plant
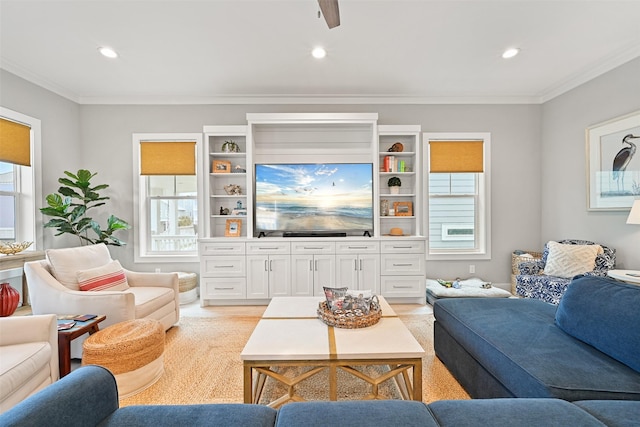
x,y
69,209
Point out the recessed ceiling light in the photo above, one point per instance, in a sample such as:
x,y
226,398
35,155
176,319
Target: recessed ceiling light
x,y
108,52
510,53
319,52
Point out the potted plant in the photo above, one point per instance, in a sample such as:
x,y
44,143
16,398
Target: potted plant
x,y
69,209
230,147
394,184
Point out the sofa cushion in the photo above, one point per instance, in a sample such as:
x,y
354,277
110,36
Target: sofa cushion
x,y
569,260
22,364
519,344
511,412
66,262
110,277
605,314
406,413
150,299
614,413
222,414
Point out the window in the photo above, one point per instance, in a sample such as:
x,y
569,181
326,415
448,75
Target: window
x,y
458,204
19,189
167,197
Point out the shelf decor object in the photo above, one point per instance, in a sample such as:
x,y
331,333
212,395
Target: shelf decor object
x,y
403,208
13,248
234,227
221,166
9,299
613,169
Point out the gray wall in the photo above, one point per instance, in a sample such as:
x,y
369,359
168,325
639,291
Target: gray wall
x,y
563,178
527,183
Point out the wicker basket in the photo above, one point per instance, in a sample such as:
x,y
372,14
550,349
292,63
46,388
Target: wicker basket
x,y
349,319
516,259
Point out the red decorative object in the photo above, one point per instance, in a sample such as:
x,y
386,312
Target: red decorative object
x,y
9,299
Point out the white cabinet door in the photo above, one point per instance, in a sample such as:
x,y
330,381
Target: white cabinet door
x,y
324,267
279,276
257,276
347,271
302,275
369,272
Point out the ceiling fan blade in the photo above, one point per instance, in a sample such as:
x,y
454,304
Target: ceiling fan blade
x,y
330,12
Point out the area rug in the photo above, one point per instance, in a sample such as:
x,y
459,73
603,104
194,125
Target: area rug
x,y
202,365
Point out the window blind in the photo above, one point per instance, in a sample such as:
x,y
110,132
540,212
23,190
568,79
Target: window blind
x,y
456,156
168,158
15,142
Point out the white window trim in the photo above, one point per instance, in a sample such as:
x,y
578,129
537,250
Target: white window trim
x,y
29,227
141,254
484,200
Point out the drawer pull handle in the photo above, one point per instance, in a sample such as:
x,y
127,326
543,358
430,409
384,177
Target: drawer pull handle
x,y
268,248
312,247
357,247
402,265
223,266
402,247
222,249
401,287
223,289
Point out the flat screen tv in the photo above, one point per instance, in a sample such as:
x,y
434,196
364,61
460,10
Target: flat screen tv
x,y
313,199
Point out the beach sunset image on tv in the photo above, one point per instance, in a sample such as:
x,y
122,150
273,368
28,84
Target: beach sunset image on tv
x,y
314,197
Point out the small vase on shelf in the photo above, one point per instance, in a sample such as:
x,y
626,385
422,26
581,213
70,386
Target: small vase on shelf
x,y
9,299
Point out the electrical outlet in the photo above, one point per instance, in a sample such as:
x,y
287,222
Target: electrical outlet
x,y
157,270
472,268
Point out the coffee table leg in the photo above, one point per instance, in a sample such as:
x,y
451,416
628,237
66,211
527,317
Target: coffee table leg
x,y
64,355
333,382
248,378
417,380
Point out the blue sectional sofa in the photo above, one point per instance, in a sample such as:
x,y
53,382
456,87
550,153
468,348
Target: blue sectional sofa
x,y
89,397
587,347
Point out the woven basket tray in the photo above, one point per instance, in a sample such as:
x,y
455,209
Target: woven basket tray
x,y
348,319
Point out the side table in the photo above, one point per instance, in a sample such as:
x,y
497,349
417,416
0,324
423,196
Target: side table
x,y
629,276
67,335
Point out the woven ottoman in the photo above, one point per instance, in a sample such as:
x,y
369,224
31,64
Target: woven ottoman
x,y
132,350
188,283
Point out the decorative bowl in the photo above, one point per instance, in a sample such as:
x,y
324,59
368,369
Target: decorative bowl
x,y
14,248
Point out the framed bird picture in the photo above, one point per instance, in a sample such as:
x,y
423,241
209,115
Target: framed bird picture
x,y
613,163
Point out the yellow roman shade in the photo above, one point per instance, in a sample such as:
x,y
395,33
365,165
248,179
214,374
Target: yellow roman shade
x,y
456,156
168,158
15,143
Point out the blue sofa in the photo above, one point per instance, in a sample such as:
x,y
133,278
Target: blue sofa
x,y
89,397
587,347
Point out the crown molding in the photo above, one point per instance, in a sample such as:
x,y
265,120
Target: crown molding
x,y
38,80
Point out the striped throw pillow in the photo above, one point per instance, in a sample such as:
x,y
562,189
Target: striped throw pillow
x,y
109,277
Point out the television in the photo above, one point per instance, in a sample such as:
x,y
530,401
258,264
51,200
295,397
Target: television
x,y
313,199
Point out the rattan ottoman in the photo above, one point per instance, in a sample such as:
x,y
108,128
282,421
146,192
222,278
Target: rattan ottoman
x,y
132,350
188,287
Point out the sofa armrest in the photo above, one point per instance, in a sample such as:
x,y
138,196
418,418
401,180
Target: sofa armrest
x,y
85,397
531,268
25,329
161,280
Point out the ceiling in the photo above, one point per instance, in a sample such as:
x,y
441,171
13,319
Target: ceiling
x,y
243,51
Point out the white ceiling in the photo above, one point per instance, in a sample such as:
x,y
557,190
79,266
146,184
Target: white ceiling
x,y
242,51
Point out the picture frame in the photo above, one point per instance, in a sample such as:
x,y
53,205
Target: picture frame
x,y
403,208
233,228
221,166
613,173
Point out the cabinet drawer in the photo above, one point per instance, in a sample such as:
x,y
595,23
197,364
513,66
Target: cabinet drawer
x,y
402,246
357,247
268,247
223,266
404,264
222,248
229,288
403,286
313,247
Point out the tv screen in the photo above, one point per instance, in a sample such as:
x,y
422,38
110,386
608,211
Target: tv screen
x,y
314,198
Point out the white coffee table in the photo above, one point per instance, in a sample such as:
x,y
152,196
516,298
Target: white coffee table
x,y
629,276
290,334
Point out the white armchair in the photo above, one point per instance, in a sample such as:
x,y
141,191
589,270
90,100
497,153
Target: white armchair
x,y
28,357
54,288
